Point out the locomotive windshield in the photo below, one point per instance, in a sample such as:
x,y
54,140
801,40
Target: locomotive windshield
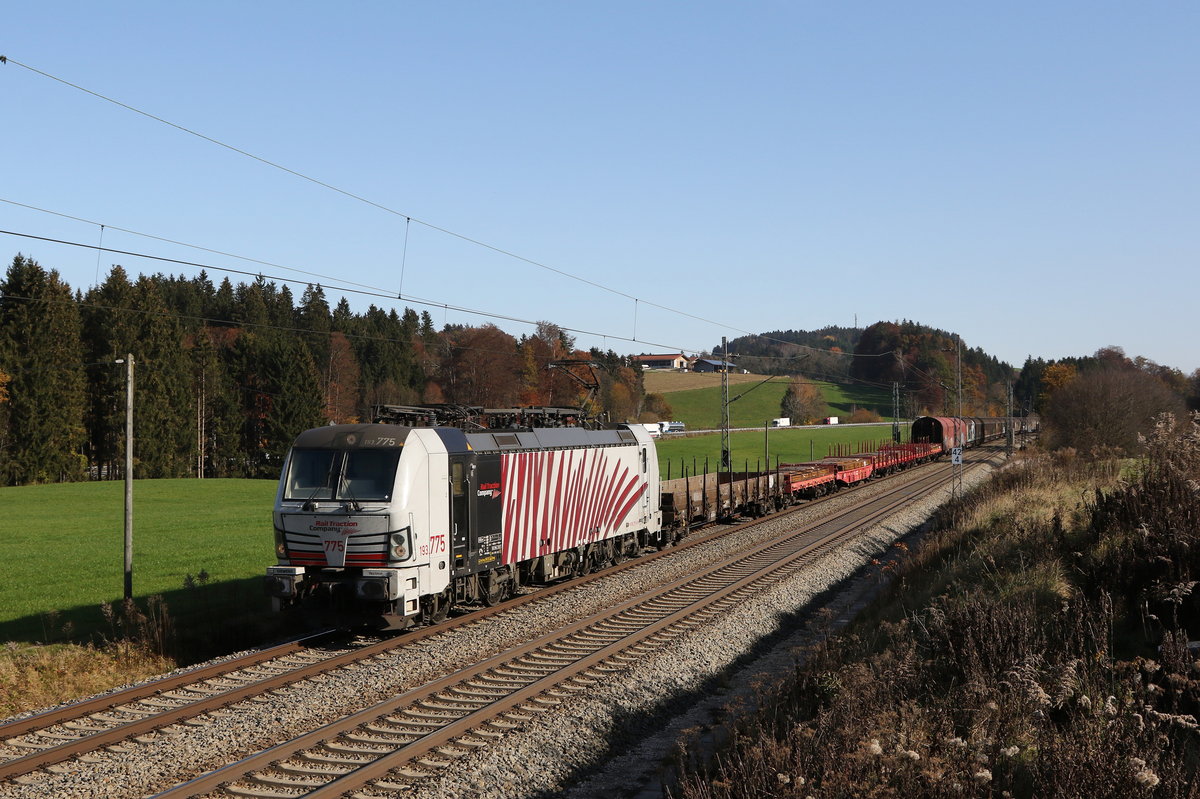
x,y
316,475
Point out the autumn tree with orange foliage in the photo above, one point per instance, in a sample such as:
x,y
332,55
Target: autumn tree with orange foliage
x,y
481,367
655,408
1054,377
803,402
539,384
341,381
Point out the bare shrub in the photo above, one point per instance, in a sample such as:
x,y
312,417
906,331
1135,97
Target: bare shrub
x,y
1105,411
1005,663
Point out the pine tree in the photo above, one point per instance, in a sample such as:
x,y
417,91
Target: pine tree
x,y
313,318
108,334
250,304
387,360
343,317
221,304
218,414
40,348
163,404
281,397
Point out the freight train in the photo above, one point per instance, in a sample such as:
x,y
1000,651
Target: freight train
x,y
389,525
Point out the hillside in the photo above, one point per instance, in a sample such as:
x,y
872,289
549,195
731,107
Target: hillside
x,y
696,398
665,381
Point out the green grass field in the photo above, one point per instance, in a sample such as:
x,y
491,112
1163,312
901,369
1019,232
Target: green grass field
x,y
68,551
751,404
789,445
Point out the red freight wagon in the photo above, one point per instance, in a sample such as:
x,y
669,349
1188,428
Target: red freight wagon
x,y
807,479
948,431
852,469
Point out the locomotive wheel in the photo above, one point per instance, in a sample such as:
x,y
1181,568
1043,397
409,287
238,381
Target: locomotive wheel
x,y
587,560
436,608
619,554
492,590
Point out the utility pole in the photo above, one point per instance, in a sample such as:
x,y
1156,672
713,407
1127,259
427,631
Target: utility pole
x,y
895,413
201,401
1011,421
725,461
128,361
958,370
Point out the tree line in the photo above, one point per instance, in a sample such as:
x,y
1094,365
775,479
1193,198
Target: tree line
x,y
226,375
931,366
1095,403
1107,402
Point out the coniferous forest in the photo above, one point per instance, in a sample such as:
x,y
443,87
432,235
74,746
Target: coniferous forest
x,y
226,375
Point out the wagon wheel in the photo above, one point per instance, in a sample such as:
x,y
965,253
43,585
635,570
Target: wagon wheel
x,y
493,590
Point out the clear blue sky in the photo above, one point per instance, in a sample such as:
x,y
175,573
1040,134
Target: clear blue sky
x,y
1025,174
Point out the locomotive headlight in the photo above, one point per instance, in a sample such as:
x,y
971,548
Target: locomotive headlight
x,y
399,548
280,545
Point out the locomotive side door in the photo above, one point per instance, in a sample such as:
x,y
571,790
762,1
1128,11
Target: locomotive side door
x,y
461,469
647,510
488,511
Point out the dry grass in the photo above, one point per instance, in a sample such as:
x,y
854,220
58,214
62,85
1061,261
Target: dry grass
x,y
664,382
1021,654
33,677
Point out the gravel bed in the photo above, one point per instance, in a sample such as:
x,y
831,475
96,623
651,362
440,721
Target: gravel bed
x,y
549,753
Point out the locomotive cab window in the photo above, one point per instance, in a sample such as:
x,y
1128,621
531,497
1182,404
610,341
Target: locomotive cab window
x,y
457,480
312,473
370,474
330,474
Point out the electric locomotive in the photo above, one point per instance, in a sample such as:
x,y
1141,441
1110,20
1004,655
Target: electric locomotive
x,y
387,525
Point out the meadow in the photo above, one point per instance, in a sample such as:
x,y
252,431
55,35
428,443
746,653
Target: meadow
x,y
201,544
695,399
766,445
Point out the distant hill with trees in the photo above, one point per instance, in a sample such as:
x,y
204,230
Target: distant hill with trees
x,y
819,354
924,362
921,359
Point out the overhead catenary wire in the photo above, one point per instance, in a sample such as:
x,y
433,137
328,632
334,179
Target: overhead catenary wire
x,y
373,290
408,217
178,243
333,287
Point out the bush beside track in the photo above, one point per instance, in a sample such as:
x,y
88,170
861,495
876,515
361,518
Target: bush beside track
x,y
1035,644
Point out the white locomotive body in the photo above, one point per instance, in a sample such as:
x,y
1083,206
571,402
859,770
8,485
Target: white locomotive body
x,y
385,525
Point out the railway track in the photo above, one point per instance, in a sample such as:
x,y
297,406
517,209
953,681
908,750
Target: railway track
x,y
415,736
64,732
74,730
